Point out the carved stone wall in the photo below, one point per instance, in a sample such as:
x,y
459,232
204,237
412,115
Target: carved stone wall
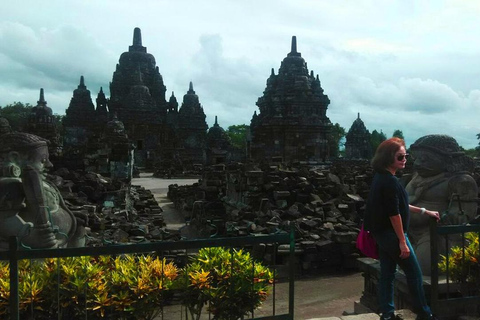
x,y
357,144
292,122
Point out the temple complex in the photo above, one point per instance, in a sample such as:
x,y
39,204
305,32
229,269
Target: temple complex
x,y
357,144
292,123
158,129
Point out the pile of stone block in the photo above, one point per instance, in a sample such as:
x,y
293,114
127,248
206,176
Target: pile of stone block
x,y
117,212
324,203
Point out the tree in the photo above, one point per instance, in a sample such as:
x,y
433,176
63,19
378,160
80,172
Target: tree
x,y
473,152
376,138
335,140
478,147
17,114
238,135
398,133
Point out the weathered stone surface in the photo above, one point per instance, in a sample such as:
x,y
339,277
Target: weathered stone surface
x,y
292,122
326,215
357,144
42,122
33,209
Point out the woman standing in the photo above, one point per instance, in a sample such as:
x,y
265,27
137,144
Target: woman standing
x,y
387,218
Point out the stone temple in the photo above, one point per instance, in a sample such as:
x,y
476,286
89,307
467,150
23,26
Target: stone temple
x,y
292,122
357,141
42,123
157,128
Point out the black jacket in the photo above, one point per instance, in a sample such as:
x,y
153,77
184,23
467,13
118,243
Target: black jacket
x,y
387,198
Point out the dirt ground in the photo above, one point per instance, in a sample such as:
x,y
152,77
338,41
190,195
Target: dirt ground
x,y
328,294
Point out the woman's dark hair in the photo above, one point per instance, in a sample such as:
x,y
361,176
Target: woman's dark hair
x,y
385,154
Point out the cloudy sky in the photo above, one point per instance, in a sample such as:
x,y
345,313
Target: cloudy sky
x,y
411,65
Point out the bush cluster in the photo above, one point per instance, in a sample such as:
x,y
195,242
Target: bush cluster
x,y
463,263
136,286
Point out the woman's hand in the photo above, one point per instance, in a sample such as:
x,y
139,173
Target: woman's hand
x,y
404,250
433,214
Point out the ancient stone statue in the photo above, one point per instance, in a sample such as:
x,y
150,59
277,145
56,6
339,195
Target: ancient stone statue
x,y
31,207
441,181
4,126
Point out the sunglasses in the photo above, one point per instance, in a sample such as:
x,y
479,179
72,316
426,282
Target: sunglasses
x,y
402,156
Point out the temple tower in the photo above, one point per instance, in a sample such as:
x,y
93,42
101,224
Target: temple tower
x,y
219,146
101,111
192,128
81,111
134,65
292,122
137,96
357,144
42,122
80,125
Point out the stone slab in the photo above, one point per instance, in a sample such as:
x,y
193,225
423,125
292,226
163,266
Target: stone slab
x,y
365,316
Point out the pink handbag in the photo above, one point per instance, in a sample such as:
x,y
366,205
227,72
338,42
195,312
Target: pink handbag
x,y
367,244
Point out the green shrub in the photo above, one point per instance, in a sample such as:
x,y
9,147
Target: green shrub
x,y
126,287
229,281
136,287
464,269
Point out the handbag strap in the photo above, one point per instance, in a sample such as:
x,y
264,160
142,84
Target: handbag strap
x,y
456,195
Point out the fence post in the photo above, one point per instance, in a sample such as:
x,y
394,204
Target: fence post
x,y
291,271
14,301
434,266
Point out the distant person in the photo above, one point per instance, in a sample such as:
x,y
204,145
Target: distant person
x,y
387,217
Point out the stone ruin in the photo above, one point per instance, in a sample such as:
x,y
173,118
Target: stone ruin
x,y
325,204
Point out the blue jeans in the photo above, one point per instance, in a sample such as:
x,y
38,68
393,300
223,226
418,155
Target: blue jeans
x,y
389,251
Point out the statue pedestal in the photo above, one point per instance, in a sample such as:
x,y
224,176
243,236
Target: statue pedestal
x,y
447,308
371,273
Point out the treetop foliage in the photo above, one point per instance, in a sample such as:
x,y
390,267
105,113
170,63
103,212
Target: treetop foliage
x,y
16,114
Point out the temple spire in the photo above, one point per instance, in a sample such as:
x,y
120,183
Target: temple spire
x,y
358,116
82,83
216,122
294,52
41,101
137,42
294,44
137,37
190,88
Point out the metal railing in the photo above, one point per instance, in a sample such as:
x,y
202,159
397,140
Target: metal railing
x,y
13,255
447,296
